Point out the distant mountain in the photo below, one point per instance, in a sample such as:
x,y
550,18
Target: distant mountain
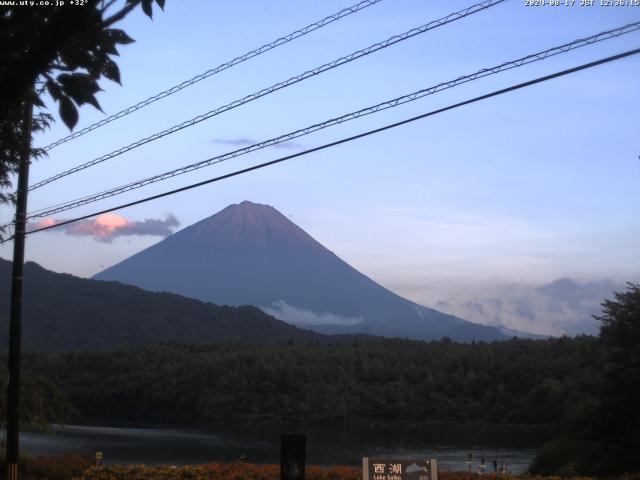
x,y
63,312
252,254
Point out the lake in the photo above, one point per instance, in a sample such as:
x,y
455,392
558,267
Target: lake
x,y
156,446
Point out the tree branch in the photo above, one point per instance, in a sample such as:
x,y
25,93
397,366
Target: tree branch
x,y
106,7
120,15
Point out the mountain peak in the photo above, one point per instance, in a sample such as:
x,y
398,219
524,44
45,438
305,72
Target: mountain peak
x,y
249,204
250,253
245,209
250,212
253,225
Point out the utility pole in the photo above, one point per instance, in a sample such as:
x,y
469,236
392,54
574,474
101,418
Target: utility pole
x,y
15,323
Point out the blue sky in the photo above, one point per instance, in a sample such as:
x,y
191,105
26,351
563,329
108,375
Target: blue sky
x,y
487,202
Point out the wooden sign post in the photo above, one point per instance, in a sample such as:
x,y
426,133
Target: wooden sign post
x,y
293,457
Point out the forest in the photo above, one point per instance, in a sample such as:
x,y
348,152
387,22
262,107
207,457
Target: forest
x,y
373,381
584,389
63,312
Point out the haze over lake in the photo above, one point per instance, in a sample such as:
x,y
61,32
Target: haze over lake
x,y
155,446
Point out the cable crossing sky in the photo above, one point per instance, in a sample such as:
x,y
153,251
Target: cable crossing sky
x,y
213,71
452,17
348,139
535,57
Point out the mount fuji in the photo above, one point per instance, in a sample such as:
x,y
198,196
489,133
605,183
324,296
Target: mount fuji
x,y
251,254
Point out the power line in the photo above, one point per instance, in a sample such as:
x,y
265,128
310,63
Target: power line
x,y
224,66
348,139
278,86
535,57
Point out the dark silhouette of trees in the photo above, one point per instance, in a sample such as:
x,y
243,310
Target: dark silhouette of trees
x,y
42,402
363,381
63,312
63,51
604,438
614,431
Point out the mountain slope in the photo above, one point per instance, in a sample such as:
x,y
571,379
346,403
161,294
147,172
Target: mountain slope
x,y
62,312
252,254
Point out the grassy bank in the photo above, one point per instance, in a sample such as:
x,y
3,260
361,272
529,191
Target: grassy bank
x,y
64,467
244,471
77,467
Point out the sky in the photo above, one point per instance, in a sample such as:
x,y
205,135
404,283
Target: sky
x,y
520,210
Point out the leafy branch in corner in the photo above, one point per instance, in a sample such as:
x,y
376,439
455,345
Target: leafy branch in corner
x,y
63,52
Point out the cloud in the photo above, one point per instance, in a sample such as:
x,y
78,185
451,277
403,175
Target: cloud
x,y
289,146
298,316
563,306
245,142
108,226
235,142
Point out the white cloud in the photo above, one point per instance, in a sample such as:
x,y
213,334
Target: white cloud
x,y
108,226
563,306
299,316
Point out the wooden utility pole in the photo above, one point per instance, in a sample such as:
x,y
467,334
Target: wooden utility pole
x,y
15,325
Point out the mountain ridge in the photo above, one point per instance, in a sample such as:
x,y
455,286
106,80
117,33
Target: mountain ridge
x,y
250,253
63,312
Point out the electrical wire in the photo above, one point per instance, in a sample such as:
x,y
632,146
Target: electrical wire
x,y
278,86
535,57
345,140
213,71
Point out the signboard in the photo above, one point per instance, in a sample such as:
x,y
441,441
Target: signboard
x,y
399,469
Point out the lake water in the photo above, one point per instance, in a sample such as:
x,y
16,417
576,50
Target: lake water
x,y
156,446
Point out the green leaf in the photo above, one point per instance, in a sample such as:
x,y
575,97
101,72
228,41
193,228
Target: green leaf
x,y
119,36
81,87
108,45
111,71
38,102
68,112
78,85
146,8
54,90
75,56
94,101
94,66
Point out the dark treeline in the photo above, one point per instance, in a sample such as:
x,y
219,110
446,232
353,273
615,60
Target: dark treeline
x,y
63,312
521,382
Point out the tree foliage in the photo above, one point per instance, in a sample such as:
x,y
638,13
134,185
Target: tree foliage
x,y
63,312
42,402
365,381
605,437
60,51
614,431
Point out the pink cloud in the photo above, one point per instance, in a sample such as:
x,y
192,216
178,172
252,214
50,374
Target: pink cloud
x,y
108,226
